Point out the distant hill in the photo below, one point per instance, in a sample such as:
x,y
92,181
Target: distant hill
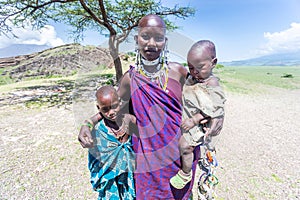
x,y
69,59
21,49
283,59
62,61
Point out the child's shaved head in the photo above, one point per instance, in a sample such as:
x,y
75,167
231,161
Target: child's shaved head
x,y
106,91
205,46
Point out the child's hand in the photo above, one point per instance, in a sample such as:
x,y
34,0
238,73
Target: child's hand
x,y
187,124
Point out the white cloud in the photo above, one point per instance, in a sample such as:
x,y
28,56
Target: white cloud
x,y
44,36
282,42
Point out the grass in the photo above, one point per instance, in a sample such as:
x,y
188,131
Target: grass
x,y
276,178
258,79
4,79
33,82
234,79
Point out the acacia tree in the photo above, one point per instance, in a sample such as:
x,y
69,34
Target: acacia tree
x,y
118,17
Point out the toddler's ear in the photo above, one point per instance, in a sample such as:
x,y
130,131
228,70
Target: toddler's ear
x,y
214,61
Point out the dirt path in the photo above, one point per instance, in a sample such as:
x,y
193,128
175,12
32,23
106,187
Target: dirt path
x,y
259,147
258,151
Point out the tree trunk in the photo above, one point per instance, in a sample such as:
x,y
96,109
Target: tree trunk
x,y
114,52
118,65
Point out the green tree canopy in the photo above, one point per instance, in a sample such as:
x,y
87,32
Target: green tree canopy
x,y
118,17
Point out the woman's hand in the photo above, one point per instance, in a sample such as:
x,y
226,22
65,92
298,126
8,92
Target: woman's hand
x,y
85,137
216,126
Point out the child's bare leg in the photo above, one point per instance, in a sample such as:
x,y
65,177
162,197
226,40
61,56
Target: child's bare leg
x,y
184,175
187,155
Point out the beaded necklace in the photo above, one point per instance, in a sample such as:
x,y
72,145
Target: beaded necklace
x,y
120,133
160,77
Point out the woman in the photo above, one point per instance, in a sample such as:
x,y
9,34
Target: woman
x,y
155,92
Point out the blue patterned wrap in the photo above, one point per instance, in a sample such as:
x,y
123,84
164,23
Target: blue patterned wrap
x,y
111,164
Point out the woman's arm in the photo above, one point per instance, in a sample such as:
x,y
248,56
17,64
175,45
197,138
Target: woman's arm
x,y
85,136
124,87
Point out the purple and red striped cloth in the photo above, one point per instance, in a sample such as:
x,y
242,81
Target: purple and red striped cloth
x,y
158,114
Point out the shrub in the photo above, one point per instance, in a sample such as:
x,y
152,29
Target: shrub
x,y
219,66
287,76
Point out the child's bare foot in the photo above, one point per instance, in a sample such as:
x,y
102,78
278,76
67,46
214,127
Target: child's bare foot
x,y
180,180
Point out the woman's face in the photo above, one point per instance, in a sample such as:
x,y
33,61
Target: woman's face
x,y
151,41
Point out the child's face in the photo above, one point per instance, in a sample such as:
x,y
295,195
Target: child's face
x,y
109,106
200,66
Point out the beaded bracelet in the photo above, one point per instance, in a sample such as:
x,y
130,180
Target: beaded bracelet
x,y
89,124
89,121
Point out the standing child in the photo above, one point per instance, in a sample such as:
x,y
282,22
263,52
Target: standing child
x,y
203,103
111,161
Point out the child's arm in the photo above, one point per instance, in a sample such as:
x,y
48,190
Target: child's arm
x,y
85,136
216,123
193,121
214,81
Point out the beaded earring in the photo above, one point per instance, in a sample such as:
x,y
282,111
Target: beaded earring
x,y
137,55
165,55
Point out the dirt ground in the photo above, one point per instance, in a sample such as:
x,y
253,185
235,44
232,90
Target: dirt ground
x,y
258,151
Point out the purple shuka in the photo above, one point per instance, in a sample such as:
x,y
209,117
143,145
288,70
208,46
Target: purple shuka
x,y
158,114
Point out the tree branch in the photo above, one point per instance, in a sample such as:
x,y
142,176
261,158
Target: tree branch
x,y
112,31
35,8
181,12
5,27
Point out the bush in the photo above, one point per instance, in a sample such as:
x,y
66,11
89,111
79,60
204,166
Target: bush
x,y
219,66
184,64
287,76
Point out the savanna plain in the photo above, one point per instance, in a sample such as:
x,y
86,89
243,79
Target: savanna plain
x,y
258,149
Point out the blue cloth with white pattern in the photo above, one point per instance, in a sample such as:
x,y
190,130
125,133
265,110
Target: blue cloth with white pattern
x,y
111,164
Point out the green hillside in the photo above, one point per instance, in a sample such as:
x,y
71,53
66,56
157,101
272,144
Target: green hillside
x,y
258,79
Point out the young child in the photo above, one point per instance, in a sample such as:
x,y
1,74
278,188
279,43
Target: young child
x,y
203,105
111,161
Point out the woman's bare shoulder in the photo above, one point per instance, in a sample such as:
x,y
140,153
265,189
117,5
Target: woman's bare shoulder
x,y
177,67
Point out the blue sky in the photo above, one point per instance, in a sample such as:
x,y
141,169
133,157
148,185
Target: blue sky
x,y
240,29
